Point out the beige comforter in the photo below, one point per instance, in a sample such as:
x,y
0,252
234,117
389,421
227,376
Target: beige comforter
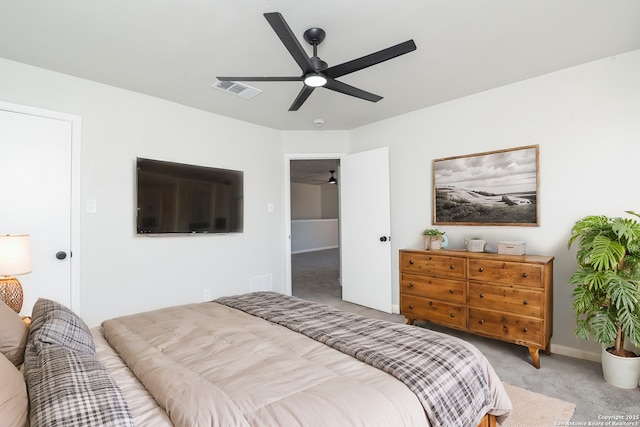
x,y
208,364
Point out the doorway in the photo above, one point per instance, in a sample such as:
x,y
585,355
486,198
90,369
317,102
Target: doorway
x,y
364,229
315,231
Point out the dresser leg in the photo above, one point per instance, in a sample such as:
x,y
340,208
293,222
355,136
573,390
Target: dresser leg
x,y
410,320
535,357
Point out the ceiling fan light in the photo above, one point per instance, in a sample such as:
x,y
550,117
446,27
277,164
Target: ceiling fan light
x,y
332,180
315,80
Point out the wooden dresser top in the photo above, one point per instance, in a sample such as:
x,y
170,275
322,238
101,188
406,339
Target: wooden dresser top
x,y
463,253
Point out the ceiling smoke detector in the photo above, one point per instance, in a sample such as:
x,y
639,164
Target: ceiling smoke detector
x,y
318,122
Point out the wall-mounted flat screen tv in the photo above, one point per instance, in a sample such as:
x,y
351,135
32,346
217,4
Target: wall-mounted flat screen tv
x,y
181,198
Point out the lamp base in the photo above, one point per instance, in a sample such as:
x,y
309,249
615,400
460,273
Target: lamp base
x,y
11,293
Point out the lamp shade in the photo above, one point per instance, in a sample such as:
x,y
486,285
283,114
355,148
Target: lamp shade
x,y
15,254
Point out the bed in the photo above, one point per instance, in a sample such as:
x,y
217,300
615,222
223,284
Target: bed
x,y
258,359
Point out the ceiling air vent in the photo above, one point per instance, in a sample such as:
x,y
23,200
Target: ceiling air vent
x,y
239,89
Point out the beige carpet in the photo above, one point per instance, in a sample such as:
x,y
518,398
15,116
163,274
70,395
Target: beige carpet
x,y
536,410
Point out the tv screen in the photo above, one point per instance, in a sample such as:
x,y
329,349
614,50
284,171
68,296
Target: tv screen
x,y
181,198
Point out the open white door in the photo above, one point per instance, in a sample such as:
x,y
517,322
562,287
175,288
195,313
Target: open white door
x,y
365,226
36,193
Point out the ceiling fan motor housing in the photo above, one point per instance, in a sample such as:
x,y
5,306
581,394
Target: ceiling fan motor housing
x,y
319,64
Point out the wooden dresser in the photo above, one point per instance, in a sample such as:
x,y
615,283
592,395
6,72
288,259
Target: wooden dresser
x,y
507,297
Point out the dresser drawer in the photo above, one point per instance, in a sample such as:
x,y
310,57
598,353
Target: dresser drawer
x,y
434,287
517,300
433,265
506,272
508,327
434,311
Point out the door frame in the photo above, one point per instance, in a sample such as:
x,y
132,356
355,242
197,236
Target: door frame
x,y
76,128
288,157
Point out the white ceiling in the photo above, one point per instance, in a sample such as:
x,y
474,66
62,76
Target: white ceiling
x,y
314,172
173,49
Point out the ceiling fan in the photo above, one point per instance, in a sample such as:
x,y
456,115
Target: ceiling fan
x,y
316,72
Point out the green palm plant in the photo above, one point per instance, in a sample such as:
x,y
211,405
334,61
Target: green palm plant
x,y
607,292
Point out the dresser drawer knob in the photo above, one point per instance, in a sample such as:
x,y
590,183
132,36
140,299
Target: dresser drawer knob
x,y
453,315
481,295
481,269
410,306
525,302
411,284
525,329
452,291
451,267
524,275
481,321
411,262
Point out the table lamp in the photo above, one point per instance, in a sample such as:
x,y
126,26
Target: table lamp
x,y
15,258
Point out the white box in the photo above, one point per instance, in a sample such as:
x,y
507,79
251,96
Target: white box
x,y
512,247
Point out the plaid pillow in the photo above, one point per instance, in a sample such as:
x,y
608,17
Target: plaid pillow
x,y
69,388
53,323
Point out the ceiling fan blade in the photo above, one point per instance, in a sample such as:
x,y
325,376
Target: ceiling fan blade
x,y
260,79
290,41
350,90
302,96
371,59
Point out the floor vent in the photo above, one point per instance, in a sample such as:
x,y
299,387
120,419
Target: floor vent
x,y
239,89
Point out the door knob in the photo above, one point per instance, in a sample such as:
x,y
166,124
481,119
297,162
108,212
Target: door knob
x,y
61,255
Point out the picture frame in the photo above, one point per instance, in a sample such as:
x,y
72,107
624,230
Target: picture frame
x,y
492,188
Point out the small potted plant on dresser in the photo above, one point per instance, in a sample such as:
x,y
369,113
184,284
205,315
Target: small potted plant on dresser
x,y
433,238
607,292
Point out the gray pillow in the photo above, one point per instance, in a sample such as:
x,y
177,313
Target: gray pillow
x,y
53,323
70,388
13,334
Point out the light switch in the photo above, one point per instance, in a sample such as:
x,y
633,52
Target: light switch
x,y
270,207
92,206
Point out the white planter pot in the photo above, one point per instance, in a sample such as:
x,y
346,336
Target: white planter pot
x,y
427,242
431,243
436,243
622,372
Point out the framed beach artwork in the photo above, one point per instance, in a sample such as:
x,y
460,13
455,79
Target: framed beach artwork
x,y
493,188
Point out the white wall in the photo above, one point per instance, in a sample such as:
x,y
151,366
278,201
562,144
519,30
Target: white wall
x,y
308,235
314,217
309,201
586,121
122,273
306,201
330,207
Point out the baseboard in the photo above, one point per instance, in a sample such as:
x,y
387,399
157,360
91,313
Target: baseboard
x,y
313,249
573,352
395,309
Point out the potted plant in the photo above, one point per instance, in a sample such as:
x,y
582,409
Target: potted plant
x,y
607,292
433,238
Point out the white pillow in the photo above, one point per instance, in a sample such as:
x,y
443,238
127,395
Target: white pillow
x,y
14,402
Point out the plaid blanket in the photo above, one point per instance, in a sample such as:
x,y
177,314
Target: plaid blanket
x,y
446,376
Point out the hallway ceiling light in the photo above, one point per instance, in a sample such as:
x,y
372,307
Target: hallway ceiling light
x,y
332,180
